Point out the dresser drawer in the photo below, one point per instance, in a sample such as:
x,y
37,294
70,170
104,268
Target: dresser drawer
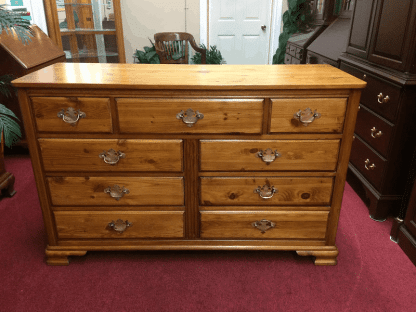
x,y
292,50
269,155
95,224
111,155
374,130
161,115
96,118
375,94
367,162
253,191
331,110
264,224
73,191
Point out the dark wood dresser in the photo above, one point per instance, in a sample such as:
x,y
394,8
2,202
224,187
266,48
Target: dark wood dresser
x,y
130,157
381,51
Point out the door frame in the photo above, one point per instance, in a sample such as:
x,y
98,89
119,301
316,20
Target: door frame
x,y
275,25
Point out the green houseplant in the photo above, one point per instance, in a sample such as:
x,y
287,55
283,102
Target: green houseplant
x,y
148,56
213,56
298,17
10,22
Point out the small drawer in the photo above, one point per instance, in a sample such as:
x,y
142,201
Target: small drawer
x,y
76,114
264,224
111,155
112,224
269,155
299,53
122,191
379,95
288,59
292,50
295,60
179,115
265,191
374,130
367,162
287,48
284,117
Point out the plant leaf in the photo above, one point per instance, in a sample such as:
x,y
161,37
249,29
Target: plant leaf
x,y
9,126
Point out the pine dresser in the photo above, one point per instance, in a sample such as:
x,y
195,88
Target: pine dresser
x,y
190,157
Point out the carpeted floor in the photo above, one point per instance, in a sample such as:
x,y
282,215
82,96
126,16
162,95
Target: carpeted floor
x,y
373,273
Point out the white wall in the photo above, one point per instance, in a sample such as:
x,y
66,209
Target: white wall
x,y
142,19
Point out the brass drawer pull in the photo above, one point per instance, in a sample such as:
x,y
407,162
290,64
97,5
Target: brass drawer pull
x,y
268,156
112,157
119,226
367,162
116,191
71,115
263,225
382,99
306,116
189,117
376,134
266,191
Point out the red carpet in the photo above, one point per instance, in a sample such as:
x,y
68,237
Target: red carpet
x,y
373,273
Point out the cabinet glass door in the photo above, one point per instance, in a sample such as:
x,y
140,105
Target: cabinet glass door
x,y
88,30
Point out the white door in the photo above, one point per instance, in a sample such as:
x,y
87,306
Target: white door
x,y
241,30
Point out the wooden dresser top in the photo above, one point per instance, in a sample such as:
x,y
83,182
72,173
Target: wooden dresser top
x,y
207,77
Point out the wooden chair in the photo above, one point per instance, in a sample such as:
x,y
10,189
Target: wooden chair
x,y
172,48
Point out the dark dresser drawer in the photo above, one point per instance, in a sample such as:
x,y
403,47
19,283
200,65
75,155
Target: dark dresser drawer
x,y
367,162
374,130
288,59
379,95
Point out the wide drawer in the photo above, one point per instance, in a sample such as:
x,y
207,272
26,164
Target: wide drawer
x,y
379,95
258,191
97,116
111,155
331,110
374,130
70,191
161,115
264,224
367,162
96,224
269,155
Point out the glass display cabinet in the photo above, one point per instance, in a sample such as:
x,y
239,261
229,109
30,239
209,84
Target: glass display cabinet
x,y
89,31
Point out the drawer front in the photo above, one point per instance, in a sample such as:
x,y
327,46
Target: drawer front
x,y
97,114
375,88
295,60
111,155
253,191
292,50
299,53
219,115
269,155
331,110
253,224
73,191
367,162
288,59
374,130
95,224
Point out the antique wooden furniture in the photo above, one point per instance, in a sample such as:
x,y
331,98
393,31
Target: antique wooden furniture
x,y
403,230
6,178
381,50
323,14
172,48
190,157
89,31
18,59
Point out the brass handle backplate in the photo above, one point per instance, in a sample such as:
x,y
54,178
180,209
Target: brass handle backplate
x,y
263,225
119,226
111,157
306,116
71,116
266,191
116,191
268,156
189,117
382,99
367,163
376,134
